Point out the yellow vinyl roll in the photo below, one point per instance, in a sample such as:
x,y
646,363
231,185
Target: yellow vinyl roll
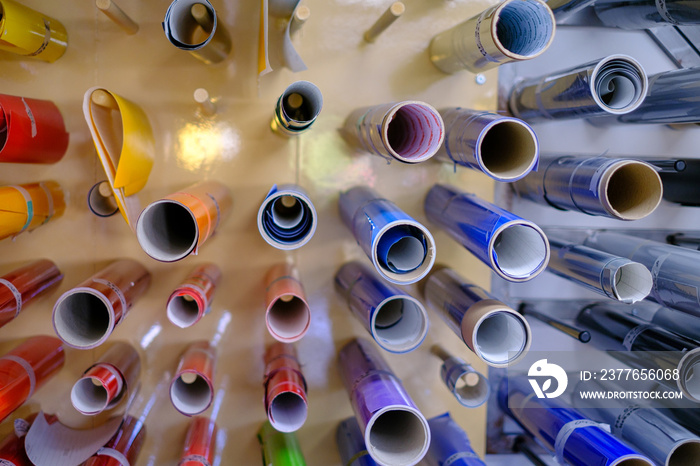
x,y
28,206
27,32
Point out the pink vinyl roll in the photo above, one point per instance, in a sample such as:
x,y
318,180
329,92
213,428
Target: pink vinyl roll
x,y
285,388
287,313
192,388
192,298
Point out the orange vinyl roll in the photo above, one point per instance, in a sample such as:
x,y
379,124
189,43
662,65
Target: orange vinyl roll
x,y
21,286
285,388
86,315
28,206
192,388
287,313
104,384
192,298
26,368
174,227
200,443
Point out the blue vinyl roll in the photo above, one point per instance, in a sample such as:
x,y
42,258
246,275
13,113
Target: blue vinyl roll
x,y
397,321
449,444
351,444
379,224
454,369
516,249
570,435
283,227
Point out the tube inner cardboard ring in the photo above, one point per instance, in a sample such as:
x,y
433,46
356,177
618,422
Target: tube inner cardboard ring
x,y
519,250
310,104
287,227
471,394
412,132
83,318
397,435
632,282
689,375
399,324
523,29
619,84
99,204
507,149
167,230
287,412
184,310
632,460
89,396
630,190
406,255
191,398
685,452
288,318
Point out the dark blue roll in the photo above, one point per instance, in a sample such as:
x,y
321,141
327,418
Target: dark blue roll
x,y
449,444
287,227
351,444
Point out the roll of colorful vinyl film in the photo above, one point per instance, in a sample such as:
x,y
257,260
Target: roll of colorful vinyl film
x,y
27,32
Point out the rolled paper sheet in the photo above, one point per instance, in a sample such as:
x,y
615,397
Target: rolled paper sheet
x,y
86,315
107,382
613,276
669,319
469,387
397,321
200,443
617,188
285,388
26,368
287,314
297,109
12,452
31,130
285,10
176,226
614,85
351,444
572,437
647,430
27,32
123,138
287,218
395,431
614,331
564,9
408,131
192,298
101,200
513,30
192,387
279,448
646,14
497,334
449,444
676,270
515,248
26,207
503,147
197,29
401,249
123,449
21,286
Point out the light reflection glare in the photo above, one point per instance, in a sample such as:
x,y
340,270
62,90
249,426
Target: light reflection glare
x,y
200,145
318,345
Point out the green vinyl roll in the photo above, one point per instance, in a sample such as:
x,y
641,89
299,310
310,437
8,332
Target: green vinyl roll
x,y
279,448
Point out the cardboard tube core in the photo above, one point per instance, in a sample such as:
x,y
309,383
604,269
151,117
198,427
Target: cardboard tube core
x,y
288,319
519,250
302,102
619,84
499,336
524,28
183,311
472,389
632,282
287,220
89,396
689,375
288,412
413,132
404,252
287,211
167,230
101,204
631,190
633,461
191,398
508,149
399,324
685,453
397,436
82,319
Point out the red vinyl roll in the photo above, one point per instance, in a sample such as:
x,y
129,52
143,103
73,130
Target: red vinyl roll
x,y
200,443
125,445
192,298
192,390
285,388
19,287
34,131
12,451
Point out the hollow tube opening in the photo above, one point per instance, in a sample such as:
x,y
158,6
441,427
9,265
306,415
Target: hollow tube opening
x,y
183,311
99,204
414,132
525,27
286,221
287,212
619,85
397,436
632,461
500,338
287,412
183,26
472,389
82,319
686,453
190,398
633,191
520,251
89,396
302,102
399,324
289,319
632,282
167,231
508,150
